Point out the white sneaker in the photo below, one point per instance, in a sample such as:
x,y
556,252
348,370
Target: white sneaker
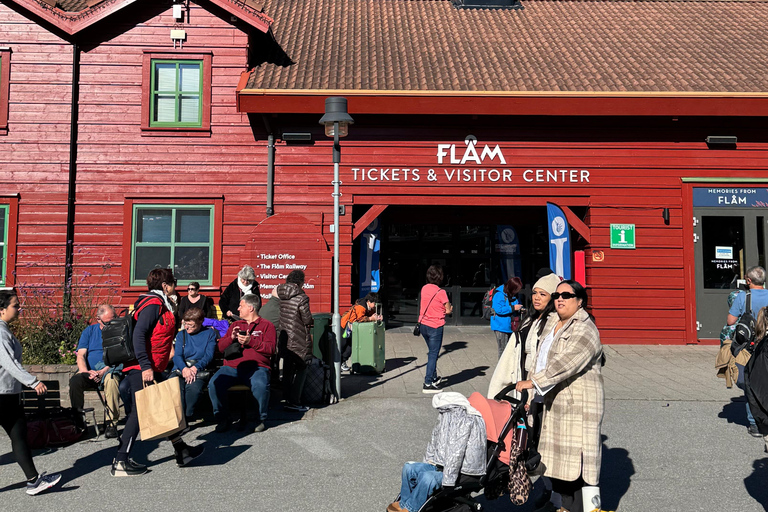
x,y
42,483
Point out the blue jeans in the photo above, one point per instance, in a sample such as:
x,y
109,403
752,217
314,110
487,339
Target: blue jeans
x,y
255,377
434,338
190,394
740,384
419,482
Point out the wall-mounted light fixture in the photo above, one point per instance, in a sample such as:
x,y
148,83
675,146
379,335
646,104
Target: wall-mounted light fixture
x,y
297,136
721,141
665,215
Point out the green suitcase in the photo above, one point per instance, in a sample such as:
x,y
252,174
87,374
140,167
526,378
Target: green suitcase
x,y
367,347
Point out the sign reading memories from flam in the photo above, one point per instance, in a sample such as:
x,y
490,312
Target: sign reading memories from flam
x,y
622,236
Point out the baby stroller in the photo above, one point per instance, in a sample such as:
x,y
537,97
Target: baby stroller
x,y
501,416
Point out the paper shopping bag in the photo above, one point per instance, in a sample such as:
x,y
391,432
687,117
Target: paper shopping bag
x,y
159,409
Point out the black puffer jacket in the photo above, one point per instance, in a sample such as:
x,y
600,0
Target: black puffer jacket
x,y
295,320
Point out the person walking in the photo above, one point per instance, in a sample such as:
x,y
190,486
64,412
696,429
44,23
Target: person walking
x,y
504,307
756,377
295,337
567,375
12,377
434,305
153,336
759,299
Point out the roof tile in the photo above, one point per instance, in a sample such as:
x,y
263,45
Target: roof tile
x,y
550,45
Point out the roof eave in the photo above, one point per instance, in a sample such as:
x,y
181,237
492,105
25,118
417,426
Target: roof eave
x,y
519,103
74,22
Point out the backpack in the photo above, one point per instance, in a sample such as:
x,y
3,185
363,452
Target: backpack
x,y
488,311
744,334
117,335
488,304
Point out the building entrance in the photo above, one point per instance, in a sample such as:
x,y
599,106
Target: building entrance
x,y
727,242
477,247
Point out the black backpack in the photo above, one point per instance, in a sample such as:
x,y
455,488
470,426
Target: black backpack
x,y
117,336
744,334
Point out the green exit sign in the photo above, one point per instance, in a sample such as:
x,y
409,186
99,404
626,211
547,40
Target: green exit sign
x,y
622,236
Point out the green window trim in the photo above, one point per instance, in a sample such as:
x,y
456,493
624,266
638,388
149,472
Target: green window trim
x,y
177,93
4,243
172,244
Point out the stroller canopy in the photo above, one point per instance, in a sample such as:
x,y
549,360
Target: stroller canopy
x,y
495,414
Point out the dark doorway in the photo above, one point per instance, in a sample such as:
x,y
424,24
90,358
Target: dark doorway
x,y
466,242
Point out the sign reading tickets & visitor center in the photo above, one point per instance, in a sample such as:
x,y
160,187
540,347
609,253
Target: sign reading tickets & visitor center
x,y
622,236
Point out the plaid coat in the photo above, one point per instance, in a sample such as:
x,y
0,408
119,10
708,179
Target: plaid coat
x,y
570,443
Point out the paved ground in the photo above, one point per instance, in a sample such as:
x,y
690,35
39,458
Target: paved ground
x,y
675,440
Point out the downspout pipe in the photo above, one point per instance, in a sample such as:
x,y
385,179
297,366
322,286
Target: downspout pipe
x,y
69,253
270,166
270,175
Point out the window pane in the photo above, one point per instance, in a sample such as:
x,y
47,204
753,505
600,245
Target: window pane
x,y
165,109
165,77
150,258
190,109
193,226
189,80
192,263
154,226
2,228
722,241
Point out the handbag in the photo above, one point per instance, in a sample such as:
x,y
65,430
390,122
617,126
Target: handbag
x,y
519,482
234,351
417,327
159,409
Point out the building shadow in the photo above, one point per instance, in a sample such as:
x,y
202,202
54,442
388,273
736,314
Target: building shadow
x,y
755,483
616,472
735,411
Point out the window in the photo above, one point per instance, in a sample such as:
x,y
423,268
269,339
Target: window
x,y
176,93
176,237
5,85
4,215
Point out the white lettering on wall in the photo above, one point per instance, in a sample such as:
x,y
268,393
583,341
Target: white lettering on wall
x,y
556,176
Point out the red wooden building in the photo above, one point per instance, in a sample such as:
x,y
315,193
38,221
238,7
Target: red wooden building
x,y
196,144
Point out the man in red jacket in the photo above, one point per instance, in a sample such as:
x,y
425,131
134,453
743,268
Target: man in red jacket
x,y
249,364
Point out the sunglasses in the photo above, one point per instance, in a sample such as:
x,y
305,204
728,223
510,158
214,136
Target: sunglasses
x,y
563,295
192,289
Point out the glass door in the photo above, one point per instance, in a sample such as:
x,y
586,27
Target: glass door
x,y
727,241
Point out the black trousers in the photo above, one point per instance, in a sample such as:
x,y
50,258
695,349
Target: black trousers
x,y
294,375
131,384
15,425
570,492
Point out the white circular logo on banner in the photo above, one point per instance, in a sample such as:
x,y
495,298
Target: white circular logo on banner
x,y
508,235
558,226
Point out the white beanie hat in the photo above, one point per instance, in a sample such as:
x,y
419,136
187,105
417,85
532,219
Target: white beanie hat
x,y
548,283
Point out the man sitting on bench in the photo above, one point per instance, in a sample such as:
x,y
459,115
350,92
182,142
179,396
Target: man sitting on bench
x,y
248,364
92,372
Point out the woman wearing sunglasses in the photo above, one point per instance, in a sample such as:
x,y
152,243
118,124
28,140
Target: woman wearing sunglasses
x,y
195,299
567,375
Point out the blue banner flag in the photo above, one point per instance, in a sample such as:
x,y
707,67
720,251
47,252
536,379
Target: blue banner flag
x,y
559,242
370,249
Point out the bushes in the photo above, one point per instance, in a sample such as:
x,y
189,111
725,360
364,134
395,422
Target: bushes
x,y
48,333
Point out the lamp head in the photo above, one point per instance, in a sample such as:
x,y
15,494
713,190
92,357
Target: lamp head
x,y
336,112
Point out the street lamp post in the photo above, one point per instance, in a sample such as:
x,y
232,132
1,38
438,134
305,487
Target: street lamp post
x,y
336,121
